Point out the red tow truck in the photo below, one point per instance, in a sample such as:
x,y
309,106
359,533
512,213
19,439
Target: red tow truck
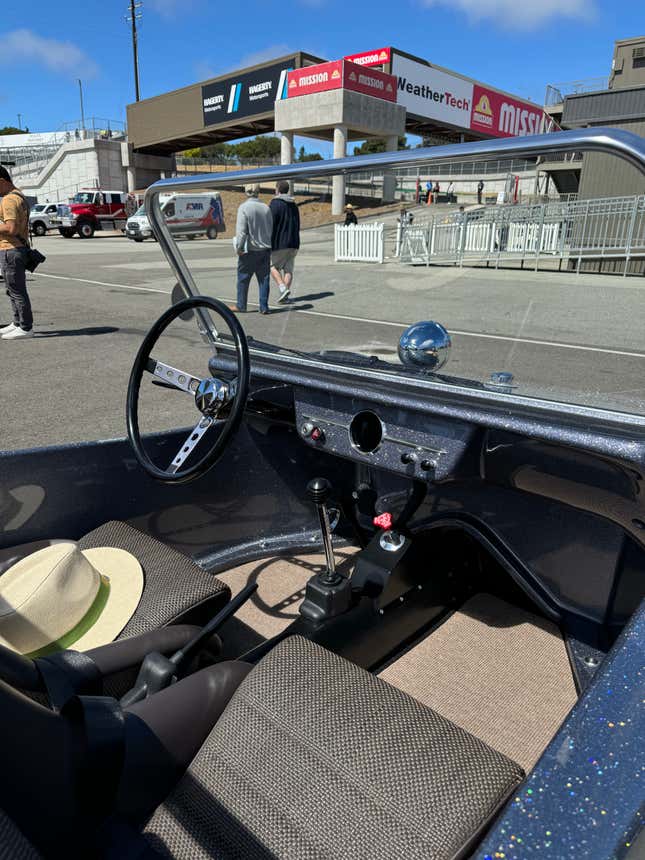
x,y
93,209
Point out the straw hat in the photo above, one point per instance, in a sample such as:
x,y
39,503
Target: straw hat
x,y
349,206
60,597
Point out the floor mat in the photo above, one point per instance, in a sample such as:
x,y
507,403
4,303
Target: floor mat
x,y
497,671
281,588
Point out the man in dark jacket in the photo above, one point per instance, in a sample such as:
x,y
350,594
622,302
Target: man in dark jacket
x,y
285,238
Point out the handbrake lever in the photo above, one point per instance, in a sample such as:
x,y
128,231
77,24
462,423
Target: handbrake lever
x,y
158,671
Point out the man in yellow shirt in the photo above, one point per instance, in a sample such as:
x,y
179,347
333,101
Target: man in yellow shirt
x,y
14,229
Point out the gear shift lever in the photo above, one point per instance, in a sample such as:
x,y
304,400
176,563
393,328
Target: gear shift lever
x,y
327,593
319,490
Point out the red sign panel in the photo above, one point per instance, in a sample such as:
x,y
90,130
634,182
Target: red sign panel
x,y
371,58
503,116
371,82
315,79
341,73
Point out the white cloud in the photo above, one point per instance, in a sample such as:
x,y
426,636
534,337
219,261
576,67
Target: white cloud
x,y
520,14
25,46
169,8
256,57
204,69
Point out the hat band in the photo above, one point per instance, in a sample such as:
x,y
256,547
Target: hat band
x,y
84,625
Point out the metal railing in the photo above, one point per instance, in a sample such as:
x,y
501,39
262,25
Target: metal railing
x,y
577,231
623,144
556,93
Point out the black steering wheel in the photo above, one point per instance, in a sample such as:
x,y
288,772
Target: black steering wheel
x,y
212,396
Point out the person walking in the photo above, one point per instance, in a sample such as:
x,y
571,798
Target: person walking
x,y
253,245
285,238
350,215
14,229
480,188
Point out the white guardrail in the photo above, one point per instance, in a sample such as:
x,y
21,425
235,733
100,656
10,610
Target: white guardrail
x,y
607,228
358,243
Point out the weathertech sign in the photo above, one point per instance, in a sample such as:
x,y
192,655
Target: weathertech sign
x,y
434,94
503,116
341,74
379,57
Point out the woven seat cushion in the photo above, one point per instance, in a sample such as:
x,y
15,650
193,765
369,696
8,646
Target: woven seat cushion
x,y
13,844
174,584
314,757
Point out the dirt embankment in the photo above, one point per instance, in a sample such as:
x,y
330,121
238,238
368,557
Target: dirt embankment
x,y
314,209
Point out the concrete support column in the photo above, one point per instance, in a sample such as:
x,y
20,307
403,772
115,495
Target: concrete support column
x,y
338,182
286,151
286,147
389,179
130,175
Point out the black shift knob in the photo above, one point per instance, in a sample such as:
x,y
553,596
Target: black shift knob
x,y
318,490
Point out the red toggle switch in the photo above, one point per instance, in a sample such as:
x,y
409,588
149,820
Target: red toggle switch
x,y
384,521
317,434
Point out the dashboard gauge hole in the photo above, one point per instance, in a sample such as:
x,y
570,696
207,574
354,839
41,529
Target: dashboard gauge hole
x,y
366,432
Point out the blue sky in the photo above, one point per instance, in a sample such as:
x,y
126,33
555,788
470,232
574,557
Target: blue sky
x,y
516,45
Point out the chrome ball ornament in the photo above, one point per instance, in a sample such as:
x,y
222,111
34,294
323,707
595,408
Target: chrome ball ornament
x,y
425,345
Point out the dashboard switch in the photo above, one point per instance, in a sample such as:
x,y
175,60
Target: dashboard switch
x,y
408,457
317,435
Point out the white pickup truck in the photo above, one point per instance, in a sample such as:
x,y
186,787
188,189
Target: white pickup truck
x,y
40,217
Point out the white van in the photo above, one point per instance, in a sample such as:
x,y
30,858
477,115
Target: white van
x,y
187,215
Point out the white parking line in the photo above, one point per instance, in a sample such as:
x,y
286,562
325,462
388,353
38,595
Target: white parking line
x,y
470,333
102,283
502,337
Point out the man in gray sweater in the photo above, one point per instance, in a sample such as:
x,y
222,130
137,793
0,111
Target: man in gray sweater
x,y
253,246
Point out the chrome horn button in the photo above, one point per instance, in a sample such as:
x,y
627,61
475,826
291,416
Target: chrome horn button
x,y
211,395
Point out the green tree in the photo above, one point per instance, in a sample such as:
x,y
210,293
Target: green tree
x,y
308,156
377,144
11,129
259,147
224,151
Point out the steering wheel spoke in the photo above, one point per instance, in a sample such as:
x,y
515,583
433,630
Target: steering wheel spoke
x,y
191,443
171,376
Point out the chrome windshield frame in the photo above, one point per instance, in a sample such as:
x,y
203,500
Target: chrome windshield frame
x,y
622,144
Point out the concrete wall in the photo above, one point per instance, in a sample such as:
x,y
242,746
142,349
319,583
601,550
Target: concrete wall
x,y
75,165
323,111
91,164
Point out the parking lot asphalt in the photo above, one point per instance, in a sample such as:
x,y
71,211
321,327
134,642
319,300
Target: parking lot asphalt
x,y
577,338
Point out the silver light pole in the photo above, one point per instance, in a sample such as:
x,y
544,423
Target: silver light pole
x,y
80,90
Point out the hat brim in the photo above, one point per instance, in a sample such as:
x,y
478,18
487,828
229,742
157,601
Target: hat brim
x,y
126,581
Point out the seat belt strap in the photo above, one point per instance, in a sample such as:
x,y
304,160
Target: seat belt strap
x,y
66,674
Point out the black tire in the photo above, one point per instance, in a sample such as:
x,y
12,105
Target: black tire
x,y
85,229
38,228
138,240
66,232
211,233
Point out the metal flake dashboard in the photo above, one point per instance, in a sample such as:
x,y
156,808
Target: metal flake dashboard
x,y
387,437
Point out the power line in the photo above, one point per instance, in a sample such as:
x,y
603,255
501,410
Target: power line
x,y
132,19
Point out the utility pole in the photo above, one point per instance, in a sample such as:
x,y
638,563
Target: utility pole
x,y
132,19
80,90
20,121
